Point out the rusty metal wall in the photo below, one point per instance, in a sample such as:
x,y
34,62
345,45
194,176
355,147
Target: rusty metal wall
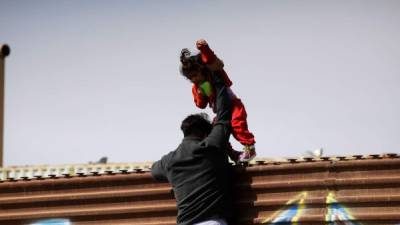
x,y
356,190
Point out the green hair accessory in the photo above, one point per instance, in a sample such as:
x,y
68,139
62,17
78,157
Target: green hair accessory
x,y
206,88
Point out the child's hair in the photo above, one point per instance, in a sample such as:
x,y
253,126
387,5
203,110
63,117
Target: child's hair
x,y
191,63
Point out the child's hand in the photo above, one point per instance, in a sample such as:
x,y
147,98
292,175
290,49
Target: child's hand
x,y
200,43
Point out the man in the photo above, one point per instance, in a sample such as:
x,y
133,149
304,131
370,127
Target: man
x,y
198,169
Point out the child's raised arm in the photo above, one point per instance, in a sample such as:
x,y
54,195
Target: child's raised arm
x,y
207,55
212,61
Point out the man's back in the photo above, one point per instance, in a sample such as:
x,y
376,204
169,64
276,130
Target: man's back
x,y
198,168
199,175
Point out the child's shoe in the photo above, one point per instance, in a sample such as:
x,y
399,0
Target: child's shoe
x,y
234,155
249,152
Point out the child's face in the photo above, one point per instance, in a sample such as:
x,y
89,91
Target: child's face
x,y
197,77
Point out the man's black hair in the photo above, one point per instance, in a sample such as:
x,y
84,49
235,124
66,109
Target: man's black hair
x,y
197,125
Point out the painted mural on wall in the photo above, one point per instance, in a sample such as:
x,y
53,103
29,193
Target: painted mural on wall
x,y
291,212
52,222
337,214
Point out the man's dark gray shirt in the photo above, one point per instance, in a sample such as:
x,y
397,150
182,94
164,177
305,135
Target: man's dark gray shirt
x,y
198,170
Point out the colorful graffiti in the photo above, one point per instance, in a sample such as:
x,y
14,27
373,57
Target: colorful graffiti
x,y
337,214
292,211
53,222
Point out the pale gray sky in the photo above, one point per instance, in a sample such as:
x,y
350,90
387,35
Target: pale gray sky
x,y
87,79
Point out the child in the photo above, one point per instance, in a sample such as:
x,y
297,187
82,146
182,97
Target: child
x,y
198,69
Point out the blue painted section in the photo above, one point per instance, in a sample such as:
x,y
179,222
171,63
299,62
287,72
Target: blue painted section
x,y
52,222
287,215
339,215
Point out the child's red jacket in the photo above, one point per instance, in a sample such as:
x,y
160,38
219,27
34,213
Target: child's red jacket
x,y
239,115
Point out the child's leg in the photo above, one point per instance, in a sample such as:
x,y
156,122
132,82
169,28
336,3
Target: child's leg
x,y
241,132
239,124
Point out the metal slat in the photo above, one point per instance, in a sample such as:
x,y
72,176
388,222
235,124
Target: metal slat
x,y
366,191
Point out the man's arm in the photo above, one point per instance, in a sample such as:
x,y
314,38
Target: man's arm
x,y
159,168
219,135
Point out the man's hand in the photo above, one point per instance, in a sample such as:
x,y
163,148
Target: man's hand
x,y
216,65
200,43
